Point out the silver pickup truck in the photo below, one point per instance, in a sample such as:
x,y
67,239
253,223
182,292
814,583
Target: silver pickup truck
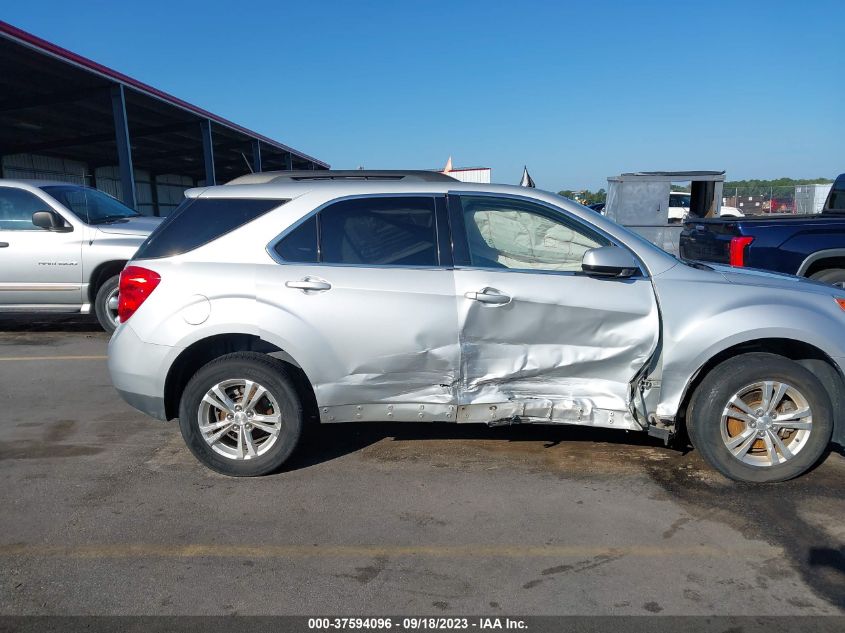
x,y
62,247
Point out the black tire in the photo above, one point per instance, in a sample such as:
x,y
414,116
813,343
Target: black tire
x,y
704,416
101,308
833,276
269,373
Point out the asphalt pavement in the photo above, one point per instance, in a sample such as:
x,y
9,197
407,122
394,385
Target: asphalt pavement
x,y
104,511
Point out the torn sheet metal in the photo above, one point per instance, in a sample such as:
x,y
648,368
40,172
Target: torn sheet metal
x,y
563,338
565,349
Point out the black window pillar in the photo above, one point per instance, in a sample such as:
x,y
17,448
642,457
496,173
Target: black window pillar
x,y
208,152
256,156
124,150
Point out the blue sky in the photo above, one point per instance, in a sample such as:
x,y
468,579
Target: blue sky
x,y
576,91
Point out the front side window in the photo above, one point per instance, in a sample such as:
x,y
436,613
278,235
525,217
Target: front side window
x,y
503,233
90,205
16,209
379,231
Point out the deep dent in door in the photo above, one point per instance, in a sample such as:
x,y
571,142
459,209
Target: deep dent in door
x,y
538,377
539,380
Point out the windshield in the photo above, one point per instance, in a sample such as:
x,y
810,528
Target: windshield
x,y
679,200
90,205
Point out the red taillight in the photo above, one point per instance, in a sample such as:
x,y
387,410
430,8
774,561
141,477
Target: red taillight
x,y
136,284
737,250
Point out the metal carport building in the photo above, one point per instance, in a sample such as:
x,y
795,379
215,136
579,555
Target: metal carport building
x,y
65,117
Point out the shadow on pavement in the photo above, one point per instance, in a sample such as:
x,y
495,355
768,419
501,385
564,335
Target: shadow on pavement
x,y
330,441
47,322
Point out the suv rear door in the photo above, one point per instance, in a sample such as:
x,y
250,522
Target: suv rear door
x,y
539,338
368,287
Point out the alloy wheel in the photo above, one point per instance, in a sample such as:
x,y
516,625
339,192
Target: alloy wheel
x,y
239,419
766,423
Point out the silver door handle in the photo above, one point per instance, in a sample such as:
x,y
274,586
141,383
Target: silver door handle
x,y
485,297
308,284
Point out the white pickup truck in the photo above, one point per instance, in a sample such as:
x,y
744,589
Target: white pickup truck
x,y
62,247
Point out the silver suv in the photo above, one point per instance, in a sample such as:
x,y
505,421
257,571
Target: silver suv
x,y
62,247
283,299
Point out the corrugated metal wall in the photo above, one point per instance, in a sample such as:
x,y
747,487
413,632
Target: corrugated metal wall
x,y
31,167
482,175
171,191
810,198
169,188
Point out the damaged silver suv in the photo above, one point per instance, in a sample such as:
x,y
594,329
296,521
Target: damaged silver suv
x,y
285,299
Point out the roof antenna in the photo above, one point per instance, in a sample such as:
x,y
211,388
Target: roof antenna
x,y
248,166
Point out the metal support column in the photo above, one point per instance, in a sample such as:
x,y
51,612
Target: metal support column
x,y
124,150
256,156
289,162
154,191
208,152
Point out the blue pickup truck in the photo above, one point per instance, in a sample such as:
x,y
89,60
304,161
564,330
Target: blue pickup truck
x,y
807,245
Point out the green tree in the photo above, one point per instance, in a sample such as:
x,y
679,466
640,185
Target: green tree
x,y
586,196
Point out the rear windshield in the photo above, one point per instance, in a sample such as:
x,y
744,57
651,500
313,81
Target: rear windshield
x,y
836,199
198,221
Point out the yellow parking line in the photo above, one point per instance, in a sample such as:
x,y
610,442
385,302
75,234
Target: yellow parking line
x,y
142,550
20,358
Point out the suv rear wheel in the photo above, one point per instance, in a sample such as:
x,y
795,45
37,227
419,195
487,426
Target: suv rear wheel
x,y
760,418
833,276
240,415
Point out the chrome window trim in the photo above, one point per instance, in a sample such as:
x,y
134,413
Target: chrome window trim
x,y
271,246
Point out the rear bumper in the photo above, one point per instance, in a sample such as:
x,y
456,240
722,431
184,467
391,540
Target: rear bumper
x,y
151,405
139,370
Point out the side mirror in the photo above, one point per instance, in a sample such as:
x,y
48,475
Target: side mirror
x,y
610,261
51,221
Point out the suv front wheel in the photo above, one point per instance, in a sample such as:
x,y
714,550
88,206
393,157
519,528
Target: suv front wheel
x,y
760,418
240,415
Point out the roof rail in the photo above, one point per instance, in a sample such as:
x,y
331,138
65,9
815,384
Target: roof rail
x,y
267,177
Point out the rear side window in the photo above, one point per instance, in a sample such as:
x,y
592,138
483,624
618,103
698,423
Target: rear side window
x,y
300,245
198,221
379,232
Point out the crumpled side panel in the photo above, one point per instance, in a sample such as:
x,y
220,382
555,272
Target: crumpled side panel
x,y
427,375
561,338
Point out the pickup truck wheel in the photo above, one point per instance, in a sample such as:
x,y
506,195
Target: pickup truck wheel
x,y
105,304
833,276
760,418
240,415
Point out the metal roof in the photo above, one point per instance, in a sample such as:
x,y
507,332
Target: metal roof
x,y
670,176
93,69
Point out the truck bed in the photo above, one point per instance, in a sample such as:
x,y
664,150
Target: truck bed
x,y
781,243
